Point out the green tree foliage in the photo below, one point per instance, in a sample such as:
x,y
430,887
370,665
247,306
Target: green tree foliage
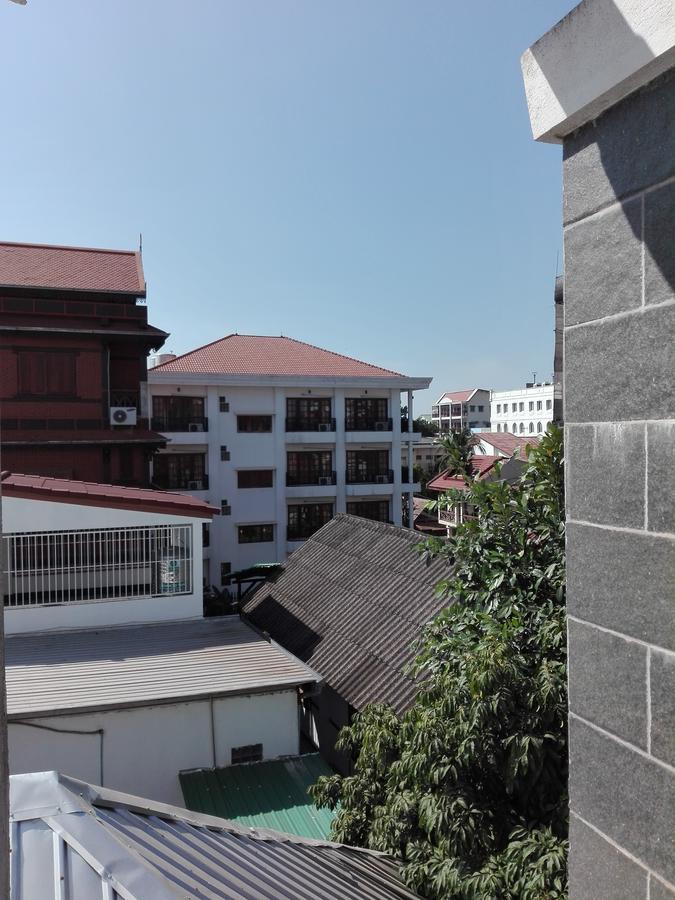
x,y
458,447
469,787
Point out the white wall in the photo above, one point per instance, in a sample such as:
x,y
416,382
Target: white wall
x,y
505,419
268,451
22,515
144,749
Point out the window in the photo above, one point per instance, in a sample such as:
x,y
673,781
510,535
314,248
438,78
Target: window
x,y
499,427
521,407
46,373
514,407
308,467
225,508
480,409
304,519
309,414
548,404
522,427
531,427
247,754
457,409
254,424
515,428
225,569
180,471
531,405
538,404
255,534
418,457
366,414
206,534
368,467
178,414
445,411
472,409
378,510
538,427
223,405
499,407
255,478
224,454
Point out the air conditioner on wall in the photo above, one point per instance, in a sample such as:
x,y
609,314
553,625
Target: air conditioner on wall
x,y
381,479
194,486
122,415
382,426
195,426
325,479
324,426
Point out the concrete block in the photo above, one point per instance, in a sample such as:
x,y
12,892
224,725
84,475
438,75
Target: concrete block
x,y
626,150
603,264
621,369
622,581
627,796
604,473
608,682
662,684
659,244
598,871
661,477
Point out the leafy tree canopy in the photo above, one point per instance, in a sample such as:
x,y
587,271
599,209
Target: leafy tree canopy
x,y
469,787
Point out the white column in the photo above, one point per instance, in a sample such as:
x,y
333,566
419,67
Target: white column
x,y
281,515
340,460
395,413
411,512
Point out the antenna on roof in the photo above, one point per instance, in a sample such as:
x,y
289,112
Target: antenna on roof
x,y
140,241
534,377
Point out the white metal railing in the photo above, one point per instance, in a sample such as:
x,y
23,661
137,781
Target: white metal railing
x,y
49,567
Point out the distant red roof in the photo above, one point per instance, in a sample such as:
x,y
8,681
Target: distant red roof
x,y
459,396
248,354
84,493
71,268
506,442
480,466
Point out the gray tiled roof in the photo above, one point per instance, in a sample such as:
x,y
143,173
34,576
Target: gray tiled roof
x,y
133,665
351,602
72,840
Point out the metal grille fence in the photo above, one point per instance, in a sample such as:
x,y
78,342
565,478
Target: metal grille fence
x,y
49,567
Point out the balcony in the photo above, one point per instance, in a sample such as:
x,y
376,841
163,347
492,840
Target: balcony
x,y
370,477
182,424
310,424
369,424
310,478
160,481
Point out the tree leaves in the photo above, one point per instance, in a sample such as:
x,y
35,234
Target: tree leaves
x,y
468,788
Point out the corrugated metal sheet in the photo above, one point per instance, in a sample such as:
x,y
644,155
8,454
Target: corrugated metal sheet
x,y
77,842
270,794
109,668
351,602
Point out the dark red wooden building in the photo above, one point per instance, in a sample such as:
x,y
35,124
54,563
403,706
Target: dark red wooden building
x,y
74,341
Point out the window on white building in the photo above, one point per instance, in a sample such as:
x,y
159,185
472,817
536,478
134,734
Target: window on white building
x,y
531,427
531,406
522,427
538,404
515,428
538,427
521,407
548,404
499,407
514,407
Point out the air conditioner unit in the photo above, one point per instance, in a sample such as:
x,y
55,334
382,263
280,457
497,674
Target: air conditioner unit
x,y
381,479
195,426
382,426
325,479
194,486
324,426
122,415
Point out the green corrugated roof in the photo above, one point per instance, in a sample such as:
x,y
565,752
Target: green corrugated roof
x,y
270,794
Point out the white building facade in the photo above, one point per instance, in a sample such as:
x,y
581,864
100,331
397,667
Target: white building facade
x,y
278,452
456,410
526,411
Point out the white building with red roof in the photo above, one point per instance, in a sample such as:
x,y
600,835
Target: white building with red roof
x,y
280,435
456,410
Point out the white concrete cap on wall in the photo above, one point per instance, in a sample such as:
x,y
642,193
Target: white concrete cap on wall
x,y
599,53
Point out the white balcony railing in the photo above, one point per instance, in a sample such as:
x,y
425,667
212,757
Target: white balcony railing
x,y
52,567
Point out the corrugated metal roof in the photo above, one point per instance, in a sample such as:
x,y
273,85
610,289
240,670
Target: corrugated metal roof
x,y
270,794
137,665
75,841
351,602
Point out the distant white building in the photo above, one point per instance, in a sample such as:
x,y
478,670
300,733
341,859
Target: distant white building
x,y
456,410
280,436
527,410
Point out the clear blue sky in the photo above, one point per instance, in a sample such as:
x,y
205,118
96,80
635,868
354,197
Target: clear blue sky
x,y
359,175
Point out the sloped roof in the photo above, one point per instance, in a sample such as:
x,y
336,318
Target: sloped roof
x,y
248,354
70,839
62,672
506,442
459,396
71,268
113,496
480,466
269,794
351,602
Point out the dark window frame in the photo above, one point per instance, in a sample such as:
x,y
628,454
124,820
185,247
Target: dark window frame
x,y
250,420
255,534
264,477
303,519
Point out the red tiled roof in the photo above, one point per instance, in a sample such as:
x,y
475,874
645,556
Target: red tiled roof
x,y
506,442
85,493
248,354
71,268
100,436
480,466
459,396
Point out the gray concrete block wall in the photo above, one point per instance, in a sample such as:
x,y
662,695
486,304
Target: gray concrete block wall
x,y
619,378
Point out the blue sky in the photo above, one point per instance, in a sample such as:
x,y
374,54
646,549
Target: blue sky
x,y
359,175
